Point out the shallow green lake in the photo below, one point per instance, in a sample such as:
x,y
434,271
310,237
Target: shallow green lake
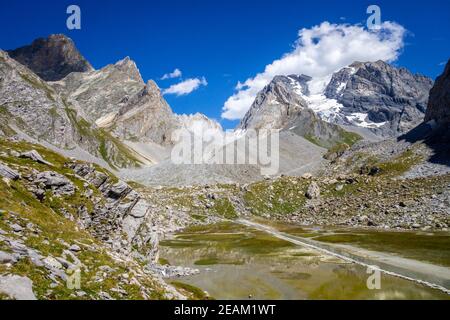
x,y
238,262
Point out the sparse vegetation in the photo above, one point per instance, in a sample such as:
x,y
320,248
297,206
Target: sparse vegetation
x,y
193,292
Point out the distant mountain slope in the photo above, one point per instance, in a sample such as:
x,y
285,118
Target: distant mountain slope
x,y
297,156
98,93
29,105
284,104
51,58
110,113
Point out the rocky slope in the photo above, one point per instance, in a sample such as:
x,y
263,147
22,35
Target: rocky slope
x,y
30,106
58,218
389,101
51,58
58,215
98,93
111,113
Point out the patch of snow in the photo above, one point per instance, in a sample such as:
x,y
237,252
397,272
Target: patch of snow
x,y
328,109
274,102
361,120
341,87
296,87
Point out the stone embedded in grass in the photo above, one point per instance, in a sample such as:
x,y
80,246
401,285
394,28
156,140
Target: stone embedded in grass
x,y
16,228
16,287
35,156
75,248
313,191
8,173
7,258
52,263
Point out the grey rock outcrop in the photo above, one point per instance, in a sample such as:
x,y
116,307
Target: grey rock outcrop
x,y
394,99
7,258
8,173
122,213
32,106
35,156
16,287
439,103
146,116
51,58
58,183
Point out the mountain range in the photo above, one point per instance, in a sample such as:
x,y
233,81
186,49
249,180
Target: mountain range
x,y
51,94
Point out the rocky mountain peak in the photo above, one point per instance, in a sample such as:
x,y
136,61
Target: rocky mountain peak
x,y
51,58
277,103
129,67
153,88
439,103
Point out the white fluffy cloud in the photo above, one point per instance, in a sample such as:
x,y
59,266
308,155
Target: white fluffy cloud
x,y
175,74
186,86
319,52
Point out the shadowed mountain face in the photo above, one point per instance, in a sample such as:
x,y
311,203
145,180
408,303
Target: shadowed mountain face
x,y
439,104
52,58
435,130
392,98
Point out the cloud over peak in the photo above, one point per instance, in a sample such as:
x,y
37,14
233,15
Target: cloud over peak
x,y
185,87
319,52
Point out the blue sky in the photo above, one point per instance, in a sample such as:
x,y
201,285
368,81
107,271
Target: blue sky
x,y
223,41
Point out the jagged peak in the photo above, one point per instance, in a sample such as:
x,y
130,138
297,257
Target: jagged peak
x,y
152,86
128,66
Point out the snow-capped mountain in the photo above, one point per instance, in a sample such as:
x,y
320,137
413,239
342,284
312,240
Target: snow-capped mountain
x,y
375,96
388,100
286,104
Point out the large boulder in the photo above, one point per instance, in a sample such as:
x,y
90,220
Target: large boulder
x,y
118,190
16,287
35,156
